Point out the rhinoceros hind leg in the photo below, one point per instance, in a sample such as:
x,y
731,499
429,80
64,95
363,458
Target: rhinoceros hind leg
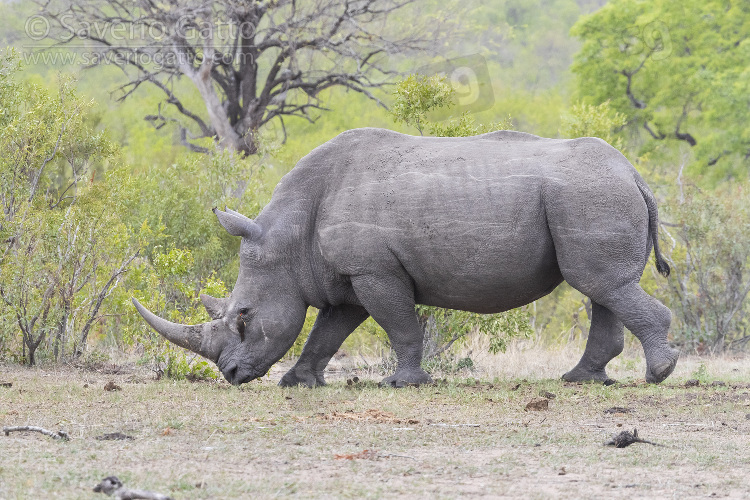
x,y
332,326
390,301
606,340
649,321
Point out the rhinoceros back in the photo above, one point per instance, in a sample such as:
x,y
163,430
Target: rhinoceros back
x,y
464,218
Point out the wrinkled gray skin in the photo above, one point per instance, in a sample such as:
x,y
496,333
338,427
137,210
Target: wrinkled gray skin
x,y
373,222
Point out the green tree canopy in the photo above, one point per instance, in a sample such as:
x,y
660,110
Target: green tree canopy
x,y
677,70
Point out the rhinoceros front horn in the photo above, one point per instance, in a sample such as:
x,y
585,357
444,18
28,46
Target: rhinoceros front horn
x,y
206,339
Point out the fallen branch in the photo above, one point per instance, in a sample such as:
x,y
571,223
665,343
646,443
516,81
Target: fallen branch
x,y
55,435
111,486
455,425
389,455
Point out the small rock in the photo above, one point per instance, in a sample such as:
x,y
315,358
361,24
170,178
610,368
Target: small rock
x,y
538,404
548,395
693,382
616,409
562,471
349,381
747,417
718,383
111,386
355,380
114,436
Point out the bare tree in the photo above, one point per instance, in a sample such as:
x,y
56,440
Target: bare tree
x,y
251,61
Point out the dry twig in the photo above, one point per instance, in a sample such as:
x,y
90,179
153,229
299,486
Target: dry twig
x,y
55,435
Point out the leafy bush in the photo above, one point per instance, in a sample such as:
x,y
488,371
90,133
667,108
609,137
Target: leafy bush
x,y
586,120
710,256
64,247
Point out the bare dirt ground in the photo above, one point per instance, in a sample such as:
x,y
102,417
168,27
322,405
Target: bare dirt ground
x,y
464,437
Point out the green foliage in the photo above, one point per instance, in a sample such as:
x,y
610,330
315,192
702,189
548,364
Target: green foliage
x,y
179,367
587,120
64,246
678,71
701,374
415,96
178,198
466,126
709,284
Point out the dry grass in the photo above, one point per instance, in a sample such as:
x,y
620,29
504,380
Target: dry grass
x,y
210,440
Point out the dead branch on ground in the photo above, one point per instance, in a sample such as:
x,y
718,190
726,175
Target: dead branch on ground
x,y
55,435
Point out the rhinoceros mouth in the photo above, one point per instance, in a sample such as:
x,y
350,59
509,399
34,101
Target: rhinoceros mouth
x,y
236,375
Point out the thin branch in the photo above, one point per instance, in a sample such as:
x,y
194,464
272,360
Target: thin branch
x,y
103,293
32,428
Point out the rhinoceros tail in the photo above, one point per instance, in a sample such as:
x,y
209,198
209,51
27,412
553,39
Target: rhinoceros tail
x,y
653,225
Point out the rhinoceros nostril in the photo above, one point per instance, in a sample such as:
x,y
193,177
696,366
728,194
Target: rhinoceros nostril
x,y
230,373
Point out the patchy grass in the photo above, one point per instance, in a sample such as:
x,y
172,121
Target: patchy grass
x,y
452,439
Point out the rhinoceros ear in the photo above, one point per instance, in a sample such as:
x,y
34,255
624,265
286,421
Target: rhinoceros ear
x,y
214,306
237,224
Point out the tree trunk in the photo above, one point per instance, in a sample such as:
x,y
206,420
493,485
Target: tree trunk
x,y
59,349
32,350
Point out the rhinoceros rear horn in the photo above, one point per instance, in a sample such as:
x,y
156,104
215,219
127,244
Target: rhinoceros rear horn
x,y
207,339
215,307
237,224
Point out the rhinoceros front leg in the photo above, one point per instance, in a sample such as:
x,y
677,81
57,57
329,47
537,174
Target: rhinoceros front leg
x,y
390,301
332,326
606,340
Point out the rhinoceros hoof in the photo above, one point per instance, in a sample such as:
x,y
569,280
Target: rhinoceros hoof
x,y
297,376
405,378
657,372
579,374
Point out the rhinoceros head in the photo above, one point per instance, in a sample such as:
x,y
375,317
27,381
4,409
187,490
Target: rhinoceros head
x,y
257,324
